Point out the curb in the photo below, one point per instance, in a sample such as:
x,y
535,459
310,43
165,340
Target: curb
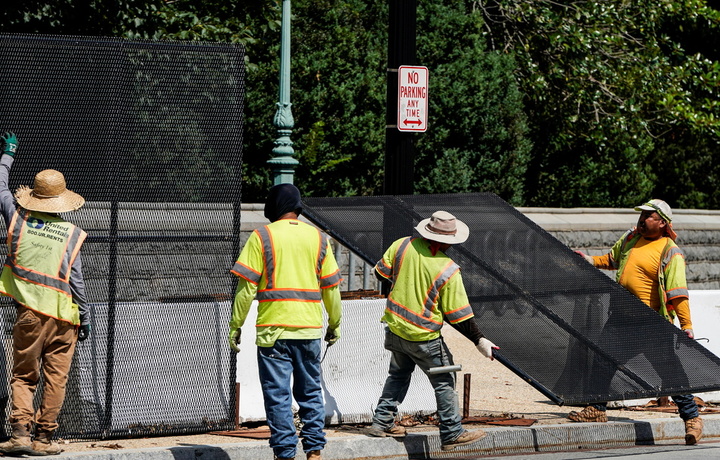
x,y
417,446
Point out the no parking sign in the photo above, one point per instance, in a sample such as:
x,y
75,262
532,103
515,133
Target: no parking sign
x,y
412,98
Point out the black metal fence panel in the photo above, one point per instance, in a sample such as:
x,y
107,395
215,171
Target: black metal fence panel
x,y
560,323
150,133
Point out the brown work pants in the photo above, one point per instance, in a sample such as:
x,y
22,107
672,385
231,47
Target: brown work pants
x,y
40,341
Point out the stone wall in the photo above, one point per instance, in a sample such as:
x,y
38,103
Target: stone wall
x,y
594,231
168,269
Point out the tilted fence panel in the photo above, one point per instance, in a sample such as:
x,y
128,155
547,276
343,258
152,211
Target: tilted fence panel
x,y
560,323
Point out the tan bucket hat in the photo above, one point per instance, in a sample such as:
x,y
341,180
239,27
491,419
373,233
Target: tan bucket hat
x,y
443,227
49,194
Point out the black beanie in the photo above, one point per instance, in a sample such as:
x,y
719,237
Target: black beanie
x,y
282,198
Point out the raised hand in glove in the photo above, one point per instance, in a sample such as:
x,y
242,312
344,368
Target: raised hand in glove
x,y
234,339
332,335
10,143
83,332
485,347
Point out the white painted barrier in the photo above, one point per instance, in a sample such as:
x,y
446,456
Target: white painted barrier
x,y
354,369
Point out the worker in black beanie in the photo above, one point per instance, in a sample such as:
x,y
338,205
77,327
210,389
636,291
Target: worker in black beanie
x,y
289,267
282,198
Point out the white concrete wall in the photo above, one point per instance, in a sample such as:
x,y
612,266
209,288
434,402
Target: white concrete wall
x,y
354,369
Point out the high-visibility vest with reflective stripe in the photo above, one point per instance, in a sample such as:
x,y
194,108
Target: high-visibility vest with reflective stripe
x,y
41,250
290,262
672,283
426,290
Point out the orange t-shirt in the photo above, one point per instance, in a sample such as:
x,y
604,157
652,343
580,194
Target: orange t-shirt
x,y
641,269
640,277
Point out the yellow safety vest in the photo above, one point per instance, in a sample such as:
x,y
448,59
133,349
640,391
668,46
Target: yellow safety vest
x,y
41,250
426,290
289,261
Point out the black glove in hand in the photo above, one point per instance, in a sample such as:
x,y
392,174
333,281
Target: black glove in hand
x,y
83,332
332,335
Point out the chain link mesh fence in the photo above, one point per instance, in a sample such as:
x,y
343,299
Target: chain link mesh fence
x,y
562,325
150,133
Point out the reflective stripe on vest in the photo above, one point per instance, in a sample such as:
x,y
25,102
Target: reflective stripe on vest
x,y
399,255
331,280
460,314
411,317
289,294
246,272
673,251
431,299
303,295
39,278
386,271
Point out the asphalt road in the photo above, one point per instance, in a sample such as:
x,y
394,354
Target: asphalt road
x,y
704,450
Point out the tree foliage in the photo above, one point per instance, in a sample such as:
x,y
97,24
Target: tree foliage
x,y
477,140
578,103
614,90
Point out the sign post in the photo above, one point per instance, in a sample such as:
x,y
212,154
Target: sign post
x,y
412,98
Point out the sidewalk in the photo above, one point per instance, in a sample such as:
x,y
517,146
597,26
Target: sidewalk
x,y
494,391
424,443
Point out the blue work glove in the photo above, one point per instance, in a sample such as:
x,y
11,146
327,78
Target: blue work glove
x,y
332,335
10,143
83,332
234,339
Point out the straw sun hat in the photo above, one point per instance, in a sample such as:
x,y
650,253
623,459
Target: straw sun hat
x,y
49,194
443,227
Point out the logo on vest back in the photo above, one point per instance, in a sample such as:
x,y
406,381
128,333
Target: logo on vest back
x,y
34,222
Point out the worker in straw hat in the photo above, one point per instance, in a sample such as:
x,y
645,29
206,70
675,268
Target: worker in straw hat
x,y
43,275
427,290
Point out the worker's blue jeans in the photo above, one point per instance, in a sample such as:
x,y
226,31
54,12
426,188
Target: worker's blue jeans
x,y
301,360
405,356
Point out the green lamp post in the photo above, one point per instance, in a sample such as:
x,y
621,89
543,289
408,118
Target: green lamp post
x,y
283,164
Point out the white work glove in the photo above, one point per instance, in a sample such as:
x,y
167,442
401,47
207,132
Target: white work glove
x,y
485,347
689,333
588,258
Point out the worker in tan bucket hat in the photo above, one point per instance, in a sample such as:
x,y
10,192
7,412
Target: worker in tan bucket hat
x,y
427,291
43,275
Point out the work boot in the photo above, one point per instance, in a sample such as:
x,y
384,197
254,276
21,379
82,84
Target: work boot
x,y
589,414
19,442
394,431
468,437
44,445
314,455
693,431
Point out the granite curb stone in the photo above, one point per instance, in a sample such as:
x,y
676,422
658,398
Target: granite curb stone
x,y
426,445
